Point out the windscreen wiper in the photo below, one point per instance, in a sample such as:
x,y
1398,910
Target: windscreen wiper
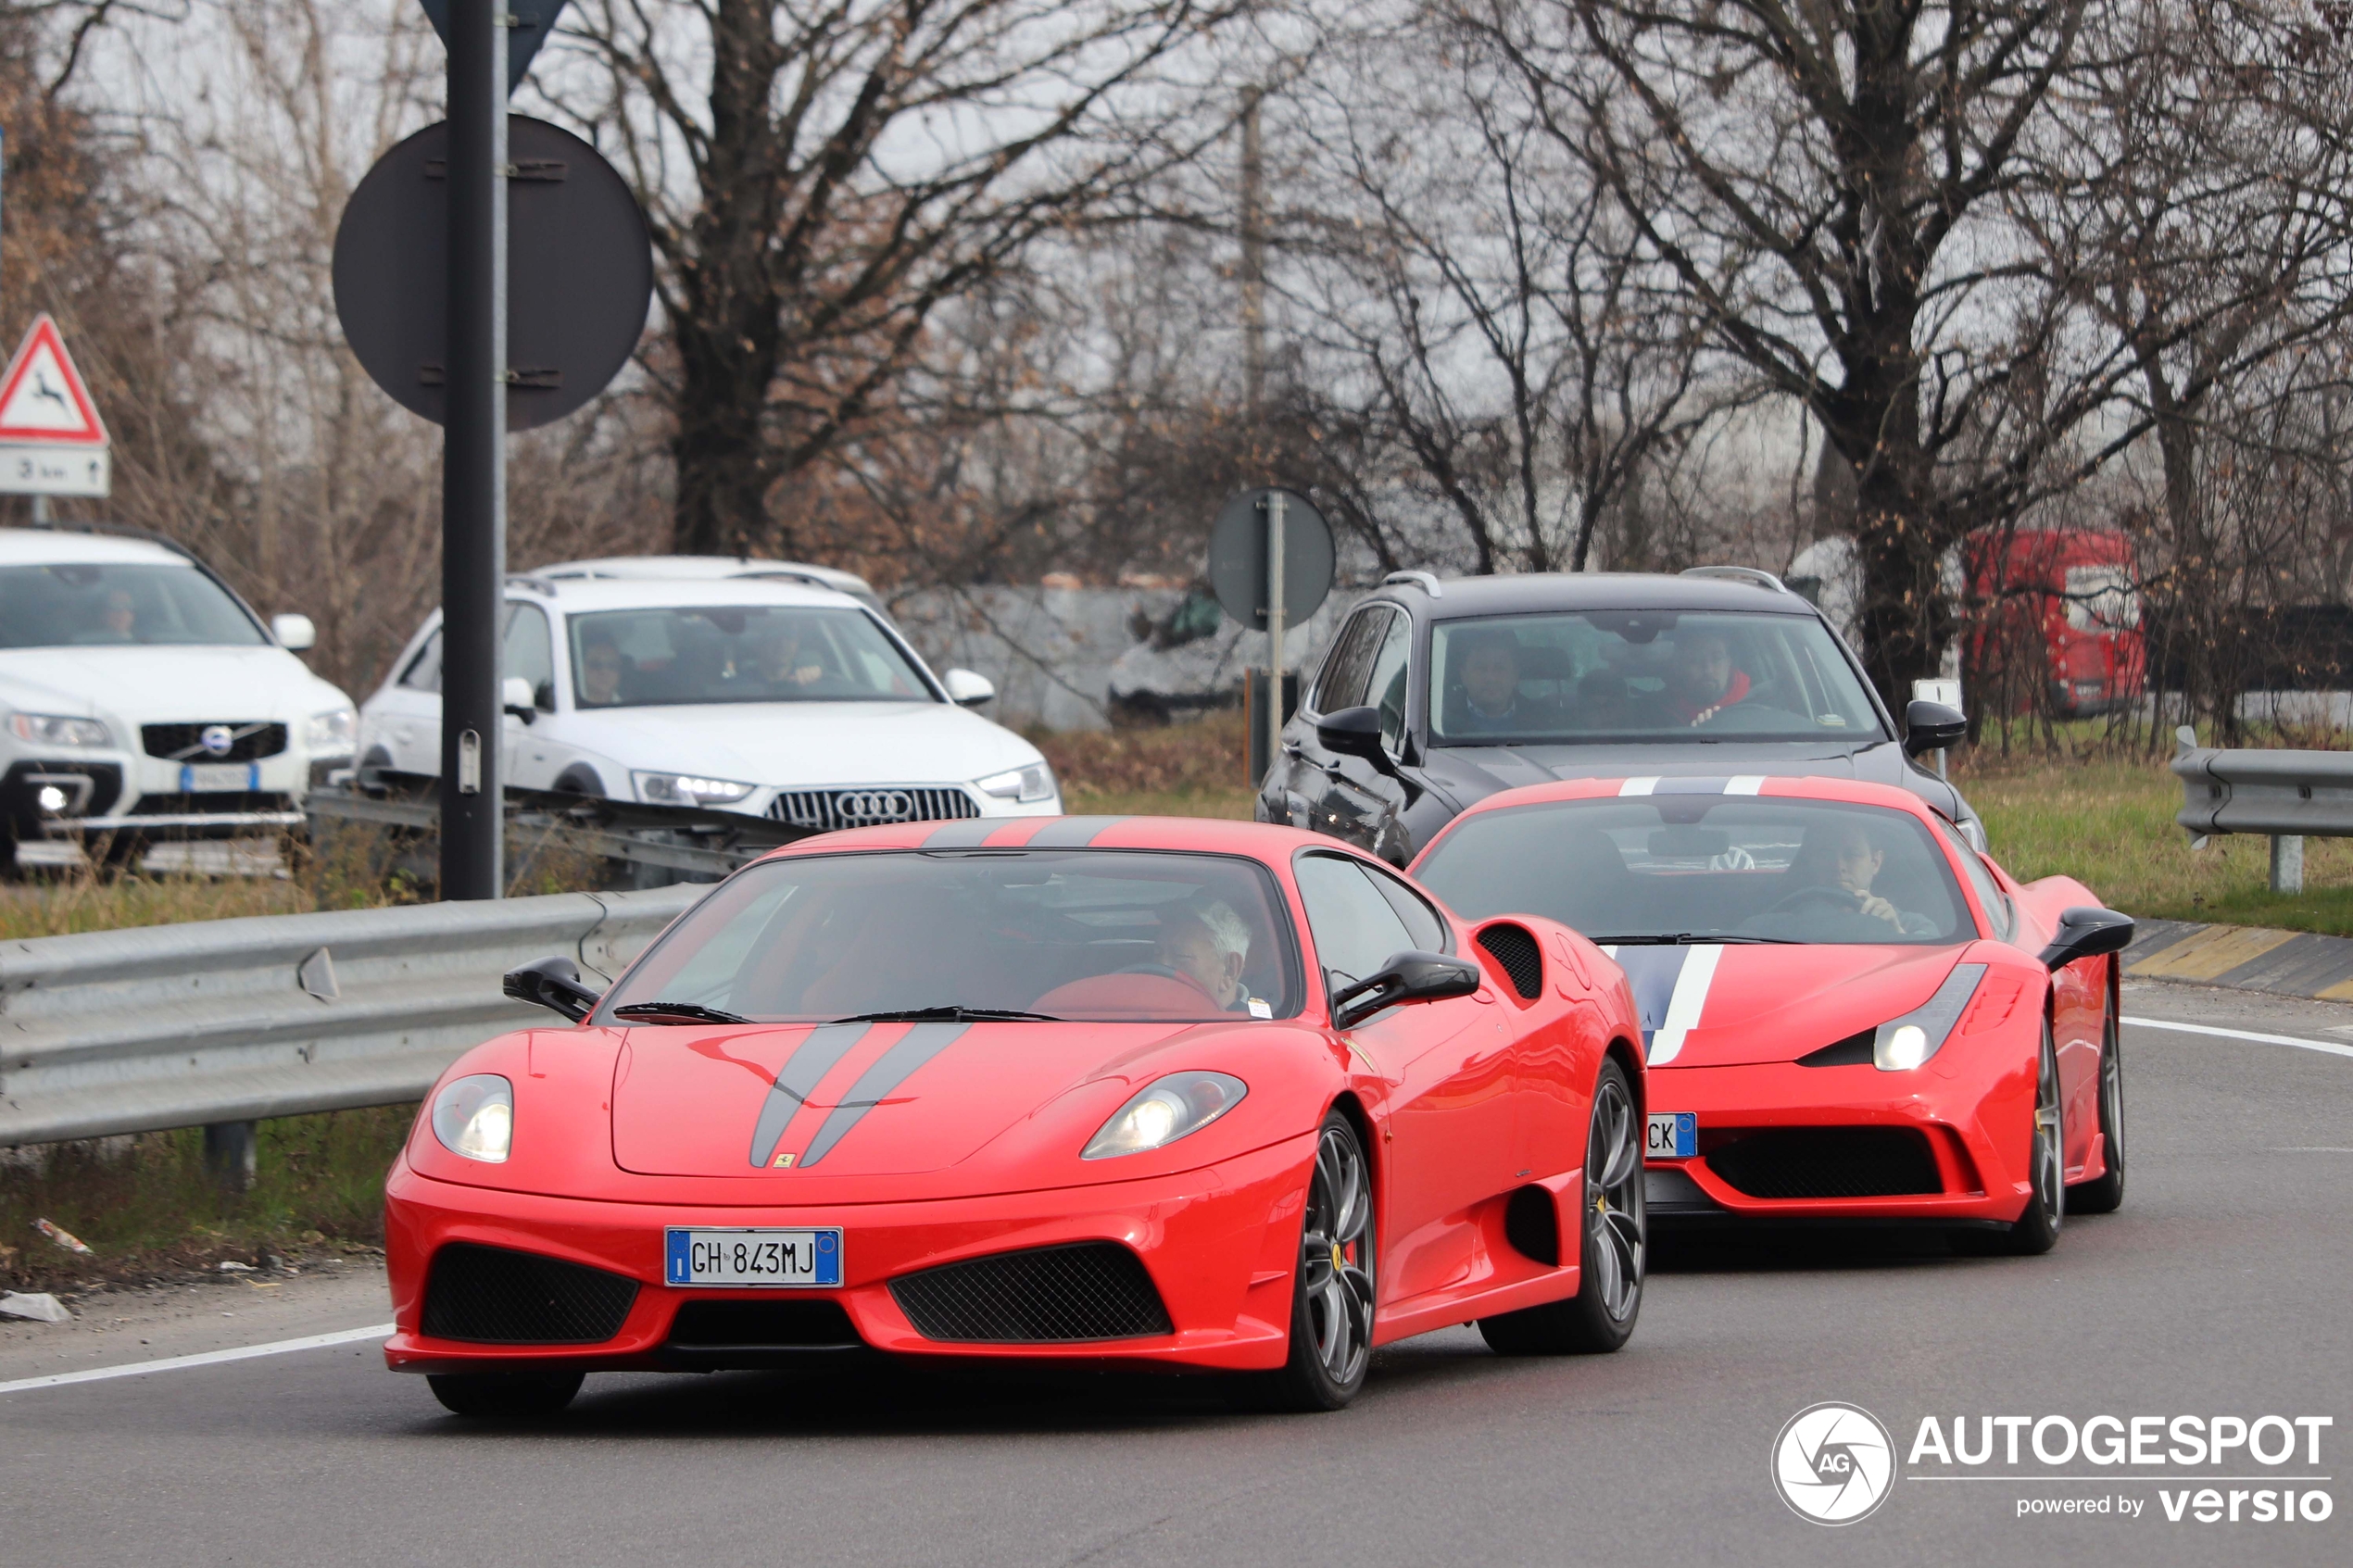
x,y
1691,938
949,1015
675,1012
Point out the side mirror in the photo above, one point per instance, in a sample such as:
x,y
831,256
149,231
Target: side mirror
x,y
1932,726
293,633
968,688
516,696
1406,977
553,984
2085,932
1355,732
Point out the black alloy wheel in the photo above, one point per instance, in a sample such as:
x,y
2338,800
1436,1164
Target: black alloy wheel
x,y
504,1396
2037,1229
2105,1193
1613,1243
1332,1295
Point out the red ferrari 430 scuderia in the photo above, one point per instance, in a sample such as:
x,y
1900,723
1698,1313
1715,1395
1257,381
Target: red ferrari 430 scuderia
x,y
1205,1094
1848,1014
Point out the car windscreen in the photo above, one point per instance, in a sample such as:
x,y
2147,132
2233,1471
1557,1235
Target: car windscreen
x,y
1646,675
1705,868
1101,935
726,653
74,605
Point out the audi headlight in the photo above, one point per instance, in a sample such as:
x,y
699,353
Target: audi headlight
x,y
1033,783
1903,1043
686,789
331,733
474,1117
1178,1104
59,729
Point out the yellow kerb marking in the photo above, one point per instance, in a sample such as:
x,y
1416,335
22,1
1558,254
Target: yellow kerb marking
x,y
2214,951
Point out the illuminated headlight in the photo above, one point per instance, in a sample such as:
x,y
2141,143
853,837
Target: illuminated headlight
x,y
474,1117
50,798
54,729
1903,1043
1178,1104
331,733
1033,783
685,789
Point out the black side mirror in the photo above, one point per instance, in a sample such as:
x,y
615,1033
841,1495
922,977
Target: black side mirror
x,y
1406,977
1932,726
1355,732
2085,932
553,984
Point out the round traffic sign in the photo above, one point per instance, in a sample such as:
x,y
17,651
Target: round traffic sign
x,y
1238,558
579,272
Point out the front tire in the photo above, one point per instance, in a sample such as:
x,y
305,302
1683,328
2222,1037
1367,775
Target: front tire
x,y
2103,1194
2037,1229
1613,1244
1332,1292
504,1395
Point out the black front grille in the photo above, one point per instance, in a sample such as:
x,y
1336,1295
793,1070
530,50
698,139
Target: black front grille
x,y
824,811
250,741
1092,1290
210,801
1828,1162
491,1295
785,1324
1512,946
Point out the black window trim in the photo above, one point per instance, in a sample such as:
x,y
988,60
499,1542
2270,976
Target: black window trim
x,y
1379,868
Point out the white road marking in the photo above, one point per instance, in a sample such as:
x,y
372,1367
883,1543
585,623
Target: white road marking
x,y
173,1363
1684,1007
2328,1047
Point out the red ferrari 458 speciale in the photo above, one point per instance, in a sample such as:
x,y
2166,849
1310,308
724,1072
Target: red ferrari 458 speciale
x,y
1204,1094
1847,1012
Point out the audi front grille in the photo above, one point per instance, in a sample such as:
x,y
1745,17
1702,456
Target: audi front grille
x,y
824,810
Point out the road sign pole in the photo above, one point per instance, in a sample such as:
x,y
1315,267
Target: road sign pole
x,y
1274,628
474,469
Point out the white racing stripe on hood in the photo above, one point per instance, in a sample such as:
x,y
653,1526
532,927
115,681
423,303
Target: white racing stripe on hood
x,y
1684,1007
1639,786
1745,783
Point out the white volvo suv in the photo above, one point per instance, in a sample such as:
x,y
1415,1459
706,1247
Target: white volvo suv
x,y
140,698
769,697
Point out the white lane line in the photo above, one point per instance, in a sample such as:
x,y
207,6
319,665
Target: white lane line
x,y
2330,1047
173,1363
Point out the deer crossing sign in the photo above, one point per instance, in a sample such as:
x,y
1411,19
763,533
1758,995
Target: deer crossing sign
x,y
52,442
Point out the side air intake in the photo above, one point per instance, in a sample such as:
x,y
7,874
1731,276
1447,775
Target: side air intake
x,y
1514,948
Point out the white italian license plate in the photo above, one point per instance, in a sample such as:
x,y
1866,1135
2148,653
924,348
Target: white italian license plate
x,y
807,1258
1673,1135
213,777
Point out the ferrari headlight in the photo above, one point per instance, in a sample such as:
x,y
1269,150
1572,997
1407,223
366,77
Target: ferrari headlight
x,y
331,734
685,789
1903,1043
1033,783
1178,1104
57,728
474,1117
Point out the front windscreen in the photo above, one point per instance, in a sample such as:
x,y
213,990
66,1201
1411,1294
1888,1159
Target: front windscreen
x,y
1646,675
1706,868
72,604
723,653
1104,934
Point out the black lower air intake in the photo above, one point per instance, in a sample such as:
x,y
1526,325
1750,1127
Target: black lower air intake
x,y
1828,1162
1091,1290
491,1295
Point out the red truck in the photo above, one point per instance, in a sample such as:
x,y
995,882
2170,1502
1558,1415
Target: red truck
x,y
2071,594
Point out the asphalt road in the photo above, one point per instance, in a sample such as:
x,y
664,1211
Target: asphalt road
x,y
2221,1289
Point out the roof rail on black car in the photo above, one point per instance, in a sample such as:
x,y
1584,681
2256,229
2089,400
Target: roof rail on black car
x,y
1426,580
1739,574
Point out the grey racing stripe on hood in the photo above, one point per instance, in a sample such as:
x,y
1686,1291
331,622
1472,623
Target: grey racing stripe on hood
x,y
1071,833
965,835
893,1067
797,1079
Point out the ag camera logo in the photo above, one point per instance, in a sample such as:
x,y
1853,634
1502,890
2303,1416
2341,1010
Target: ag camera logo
x,y
1833,1463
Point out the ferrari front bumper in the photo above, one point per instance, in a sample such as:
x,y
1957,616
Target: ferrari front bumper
x,y
1959,1150
1220,1245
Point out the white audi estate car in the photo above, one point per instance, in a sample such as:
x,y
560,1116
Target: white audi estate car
x,y
767,696
142,699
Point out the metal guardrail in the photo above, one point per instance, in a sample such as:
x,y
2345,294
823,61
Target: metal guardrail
x,y
219,1022
2288,795
699,843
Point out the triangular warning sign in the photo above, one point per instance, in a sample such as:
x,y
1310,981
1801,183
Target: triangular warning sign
x,y
41,397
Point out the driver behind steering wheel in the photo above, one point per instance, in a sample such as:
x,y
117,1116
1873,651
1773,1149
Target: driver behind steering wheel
x,y
1848,861
1209,944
